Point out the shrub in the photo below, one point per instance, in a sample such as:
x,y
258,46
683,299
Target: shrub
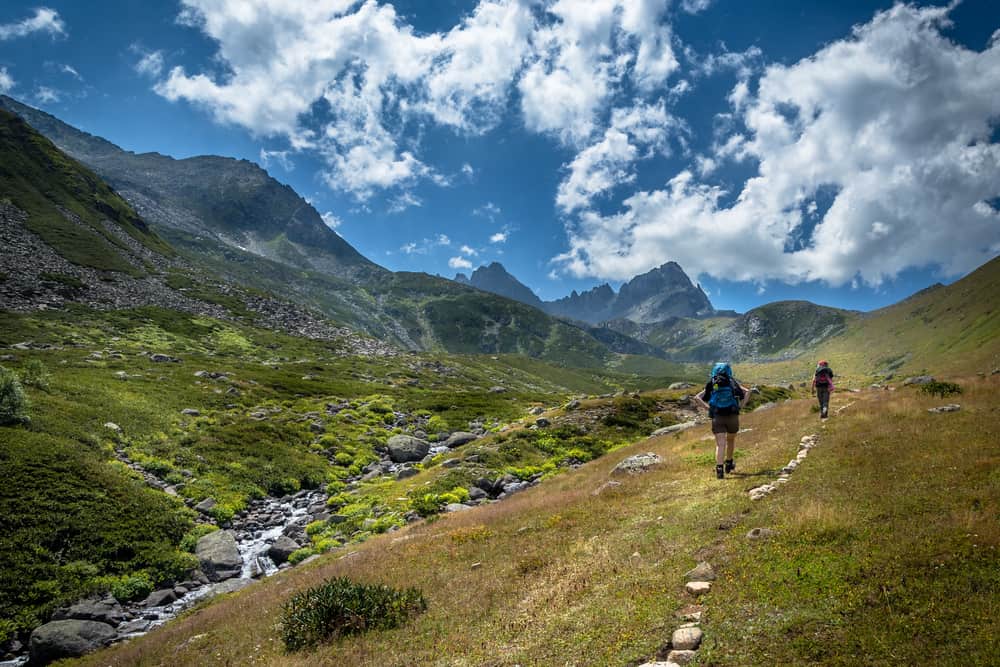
x,y
299,555
942,389
13,403
131,587
341,607
34,374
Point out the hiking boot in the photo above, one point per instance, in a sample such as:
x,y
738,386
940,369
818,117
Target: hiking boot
x,y
720,472
822,413
730,466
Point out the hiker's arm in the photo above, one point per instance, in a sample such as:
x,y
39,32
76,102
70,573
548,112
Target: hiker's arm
x,y
700,397
746,396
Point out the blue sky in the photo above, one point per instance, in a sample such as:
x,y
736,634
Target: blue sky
x,y
841,152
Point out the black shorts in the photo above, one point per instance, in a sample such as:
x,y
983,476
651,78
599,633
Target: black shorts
x,y
726,423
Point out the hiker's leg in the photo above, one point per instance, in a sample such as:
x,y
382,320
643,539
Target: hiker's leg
x,y
730,445
720,448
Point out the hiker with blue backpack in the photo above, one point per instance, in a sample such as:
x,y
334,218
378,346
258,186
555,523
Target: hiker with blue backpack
x,y
822,387
724,396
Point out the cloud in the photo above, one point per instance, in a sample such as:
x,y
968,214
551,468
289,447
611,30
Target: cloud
x,y
636,132
695,6
354,82
6,80
499,237
403,201
46,95
466,250
459,263
69,69
488,210
468,171
425,245
45,20
330,220
894,126
150,63
280,157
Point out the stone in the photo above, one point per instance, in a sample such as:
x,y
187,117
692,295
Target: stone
x,y
456,507
459,438
218,555
111,426
697,588
765,406
686,639
67,639
572,405
232,585
498,390
451,463
703,571
160,598
103,609
405,448
475,493
542,422
206,506
610,484
918,379
675,428
403,473
191,412
951,407
163,358
637,463
535,411
681,657
760,533
282,549
680,385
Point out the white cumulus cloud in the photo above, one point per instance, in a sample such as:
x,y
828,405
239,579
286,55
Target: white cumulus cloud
x,y
459,263
893,126
6,80
499,237
45,20
150,63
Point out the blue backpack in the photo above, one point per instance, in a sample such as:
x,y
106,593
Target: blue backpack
x,y
723,400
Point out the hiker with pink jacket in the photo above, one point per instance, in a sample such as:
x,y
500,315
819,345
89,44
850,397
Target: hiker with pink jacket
x,y
822,387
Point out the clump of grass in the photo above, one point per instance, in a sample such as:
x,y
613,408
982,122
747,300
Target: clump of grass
x,y
35,374
939,388
13,403
341,607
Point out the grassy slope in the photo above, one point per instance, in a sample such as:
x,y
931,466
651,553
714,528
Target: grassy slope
x,y
40,179
229,455
884,554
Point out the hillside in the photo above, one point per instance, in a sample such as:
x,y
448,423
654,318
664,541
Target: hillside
x,y
67,204
859,554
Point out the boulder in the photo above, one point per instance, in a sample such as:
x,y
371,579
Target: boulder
x,y
206,506
475,493
697,588
542,422
218,555
406,472
456,507
163,358
191,412
572,405
459,438
952,407
67,639
159,598
918,379
282,549
404,448
637,463
103,609
681,657
680,385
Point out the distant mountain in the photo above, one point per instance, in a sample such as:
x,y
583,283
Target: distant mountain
x,y
658,294
209,198
495,278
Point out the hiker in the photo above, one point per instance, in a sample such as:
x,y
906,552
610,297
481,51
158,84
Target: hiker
x,y
724,396
822,387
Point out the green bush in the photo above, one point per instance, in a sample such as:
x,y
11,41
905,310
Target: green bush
x,y
34,374
942,389
341,607
299,555
131,587
13,403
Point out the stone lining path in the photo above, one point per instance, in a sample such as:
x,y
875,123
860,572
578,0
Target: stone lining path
x,y
687,638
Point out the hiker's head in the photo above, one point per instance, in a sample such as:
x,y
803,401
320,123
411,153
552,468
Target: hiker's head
x,y
722,368
823,363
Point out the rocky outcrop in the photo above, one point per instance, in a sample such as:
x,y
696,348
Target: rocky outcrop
x,y
102,609
218,555
282,548
495,278
67,639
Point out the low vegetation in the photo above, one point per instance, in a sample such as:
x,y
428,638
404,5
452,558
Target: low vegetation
x,y
341,607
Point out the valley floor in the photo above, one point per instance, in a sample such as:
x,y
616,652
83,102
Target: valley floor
x,y
883,552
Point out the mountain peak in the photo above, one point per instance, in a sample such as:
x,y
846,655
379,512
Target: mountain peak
x,y
496,279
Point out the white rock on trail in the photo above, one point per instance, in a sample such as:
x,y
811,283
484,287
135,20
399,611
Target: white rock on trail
x,y
681,657
703,571
698,587
686,639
